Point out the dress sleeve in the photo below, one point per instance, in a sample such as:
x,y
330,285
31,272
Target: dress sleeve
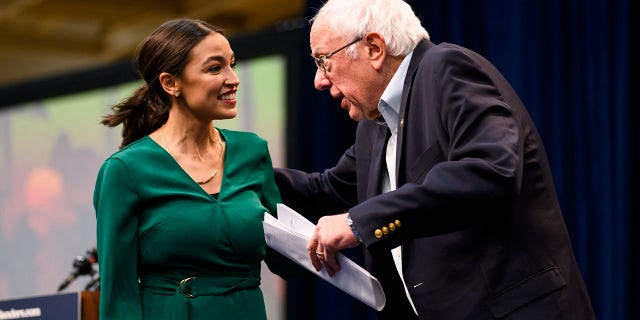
x,y
276,262
115,200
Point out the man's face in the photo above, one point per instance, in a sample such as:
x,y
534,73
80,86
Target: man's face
x,y
351,81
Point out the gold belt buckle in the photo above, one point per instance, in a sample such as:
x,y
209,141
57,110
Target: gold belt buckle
x,y
184,282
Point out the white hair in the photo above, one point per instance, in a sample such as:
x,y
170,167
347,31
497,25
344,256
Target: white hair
x,y
393,19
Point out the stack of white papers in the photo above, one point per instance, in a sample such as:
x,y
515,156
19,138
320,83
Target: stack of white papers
x,y
289,234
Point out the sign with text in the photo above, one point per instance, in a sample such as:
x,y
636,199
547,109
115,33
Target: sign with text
x,y
64,306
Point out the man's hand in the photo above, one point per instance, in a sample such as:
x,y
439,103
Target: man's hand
x,y
331,235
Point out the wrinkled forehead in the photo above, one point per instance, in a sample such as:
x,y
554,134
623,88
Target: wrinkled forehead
x,y
322,37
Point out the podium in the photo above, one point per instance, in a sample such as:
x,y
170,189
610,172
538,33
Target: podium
x,y
82,305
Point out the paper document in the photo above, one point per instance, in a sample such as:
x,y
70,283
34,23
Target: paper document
x,y
289,233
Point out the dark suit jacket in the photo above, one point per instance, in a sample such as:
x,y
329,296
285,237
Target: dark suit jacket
x,y
475,211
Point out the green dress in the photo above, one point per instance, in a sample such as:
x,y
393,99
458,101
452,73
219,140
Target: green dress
x,y
169,250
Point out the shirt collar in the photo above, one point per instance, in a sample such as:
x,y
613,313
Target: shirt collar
x,y
389,104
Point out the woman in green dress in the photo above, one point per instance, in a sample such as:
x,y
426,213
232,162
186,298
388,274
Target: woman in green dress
x,y
180,206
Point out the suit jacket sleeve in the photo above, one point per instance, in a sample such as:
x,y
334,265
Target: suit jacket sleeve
x,y
317,194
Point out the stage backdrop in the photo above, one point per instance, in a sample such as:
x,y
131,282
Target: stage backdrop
x,y
50,153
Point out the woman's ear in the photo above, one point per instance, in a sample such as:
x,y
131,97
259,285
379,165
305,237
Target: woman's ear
x,y
376,49
170,84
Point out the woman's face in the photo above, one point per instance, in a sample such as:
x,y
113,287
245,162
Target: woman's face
x,y
208,83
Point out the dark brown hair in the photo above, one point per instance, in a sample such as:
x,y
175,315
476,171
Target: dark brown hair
x,y
167,49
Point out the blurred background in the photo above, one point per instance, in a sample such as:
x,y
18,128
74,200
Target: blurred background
x,y
63,63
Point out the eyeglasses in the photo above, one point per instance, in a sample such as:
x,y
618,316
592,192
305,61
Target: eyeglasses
x,y
320,61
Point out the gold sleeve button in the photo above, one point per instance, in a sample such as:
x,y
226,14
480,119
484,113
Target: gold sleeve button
x,y
385,231
397,222
378,233
392,226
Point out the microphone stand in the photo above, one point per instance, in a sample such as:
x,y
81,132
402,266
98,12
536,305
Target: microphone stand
x,y
83,265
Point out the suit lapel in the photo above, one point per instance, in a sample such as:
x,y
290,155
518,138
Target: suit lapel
x,y
418,53
377,160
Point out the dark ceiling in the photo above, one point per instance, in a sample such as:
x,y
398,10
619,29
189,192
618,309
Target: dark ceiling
x,y
41,38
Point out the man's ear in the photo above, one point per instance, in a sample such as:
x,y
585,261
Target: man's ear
x,y
376,49
170,84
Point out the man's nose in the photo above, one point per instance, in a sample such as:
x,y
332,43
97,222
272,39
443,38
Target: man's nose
x,y
321,82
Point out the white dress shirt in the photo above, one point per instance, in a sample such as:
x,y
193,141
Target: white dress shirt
x,y
389,107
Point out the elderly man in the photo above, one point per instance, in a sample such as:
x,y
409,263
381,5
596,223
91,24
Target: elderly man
x,y
447,187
